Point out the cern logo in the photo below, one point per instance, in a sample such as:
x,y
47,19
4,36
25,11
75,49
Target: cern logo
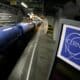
x,y
72,45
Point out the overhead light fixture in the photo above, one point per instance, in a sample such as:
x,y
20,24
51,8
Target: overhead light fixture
x,y
24,5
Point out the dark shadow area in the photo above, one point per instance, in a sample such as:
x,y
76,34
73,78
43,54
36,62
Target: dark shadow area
x,y
63,71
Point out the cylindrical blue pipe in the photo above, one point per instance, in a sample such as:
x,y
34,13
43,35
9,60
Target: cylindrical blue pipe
x,y
10,33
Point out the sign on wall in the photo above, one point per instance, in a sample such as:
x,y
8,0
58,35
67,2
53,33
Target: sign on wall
x,y
69,48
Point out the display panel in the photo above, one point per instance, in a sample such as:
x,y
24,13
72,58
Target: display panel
x,y
69,46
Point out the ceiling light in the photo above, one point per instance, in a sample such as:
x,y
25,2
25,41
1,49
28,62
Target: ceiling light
x,y
24,5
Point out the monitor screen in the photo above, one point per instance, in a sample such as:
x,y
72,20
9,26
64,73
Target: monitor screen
x,y
69,46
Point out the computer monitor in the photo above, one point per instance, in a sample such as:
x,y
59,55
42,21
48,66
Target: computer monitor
x,y
68,45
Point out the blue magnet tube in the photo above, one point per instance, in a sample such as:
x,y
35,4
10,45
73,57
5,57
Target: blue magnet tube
x,y
26,26
10,33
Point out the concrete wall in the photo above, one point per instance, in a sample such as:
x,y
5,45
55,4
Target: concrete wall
x,y
50,20
78,3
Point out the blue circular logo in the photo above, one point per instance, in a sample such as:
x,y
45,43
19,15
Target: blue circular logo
x,y
72,45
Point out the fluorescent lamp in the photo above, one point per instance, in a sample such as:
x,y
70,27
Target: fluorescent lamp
x,y
24,5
